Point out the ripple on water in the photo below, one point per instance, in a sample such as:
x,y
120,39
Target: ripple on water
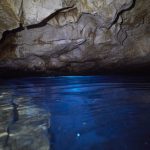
x,y
87,113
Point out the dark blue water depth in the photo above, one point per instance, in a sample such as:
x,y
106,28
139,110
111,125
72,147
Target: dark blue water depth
x,y
77,113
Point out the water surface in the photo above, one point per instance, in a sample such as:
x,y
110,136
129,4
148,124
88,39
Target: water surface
x,y
75,113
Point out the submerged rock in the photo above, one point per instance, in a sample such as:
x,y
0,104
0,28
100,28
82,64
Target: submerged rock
x,y
23,126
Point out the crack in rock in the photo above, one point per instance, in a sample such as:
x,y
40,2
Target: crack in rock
x,y
15,118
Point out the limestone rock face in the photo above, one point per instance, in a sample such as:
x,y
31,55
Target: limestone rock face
x,y
35,11
8,18
65,36
29,12
25,12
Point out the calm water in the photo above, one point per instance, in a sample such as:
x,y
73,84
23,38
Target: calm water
x,y
75,113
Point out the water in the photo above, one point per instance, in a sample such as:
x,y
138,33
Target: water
x,y
75,113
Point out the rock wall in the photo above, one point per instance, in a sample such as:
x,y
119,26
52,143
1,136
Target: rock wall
x,y
78,36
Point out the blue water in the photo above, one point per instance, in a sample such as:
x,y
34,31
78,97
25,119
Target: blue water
x,y
92,112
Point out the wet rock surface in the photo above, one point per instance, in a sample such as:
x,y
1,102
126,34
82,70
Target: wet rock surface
x,y
22,126
79,37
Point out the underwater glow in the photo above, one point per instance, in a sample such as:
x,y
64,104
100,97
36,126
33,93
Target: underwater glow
x,y
84,113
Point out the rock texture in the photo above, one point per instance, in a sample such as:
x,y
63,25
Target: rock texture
x,y
78,36
24,126
8,18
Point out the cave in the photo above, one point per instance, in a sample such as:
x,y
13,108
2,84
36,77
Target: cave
x,y
74,74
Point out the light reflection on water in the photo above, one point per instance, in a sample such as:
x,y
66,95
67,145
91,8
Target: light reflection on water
x,y
87,113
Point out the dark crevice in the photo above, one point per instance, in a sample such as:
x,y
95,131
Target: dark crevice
x,y
8,136
44,22
15,112
15,118
21,12
121,12
8,32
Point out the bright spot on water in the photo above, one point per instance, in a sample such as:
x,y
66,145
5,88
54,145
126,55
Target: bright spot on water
x,y
84,123
78,134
